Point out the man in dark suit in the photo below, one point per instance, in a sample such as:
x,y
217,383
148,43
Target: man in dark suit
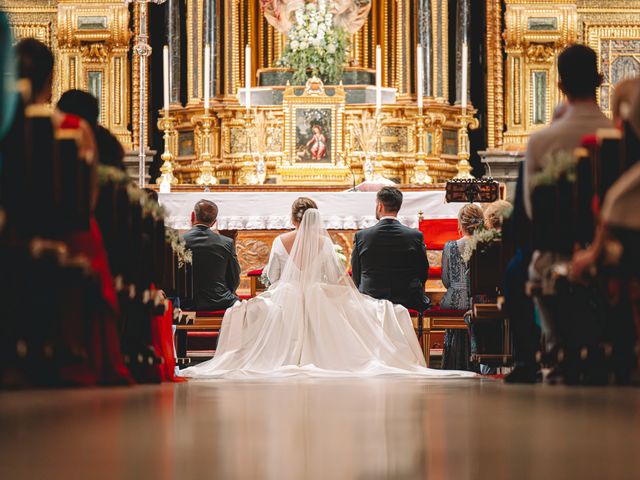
x,y
389,260
216,272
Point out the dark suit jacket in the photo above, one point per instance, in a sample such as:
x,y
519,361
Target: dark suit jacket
x,y
389,261
216,272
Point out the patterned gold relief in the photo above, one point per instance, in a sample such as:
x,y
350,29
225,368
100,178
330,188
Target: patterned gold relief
x,y
40,31
535,33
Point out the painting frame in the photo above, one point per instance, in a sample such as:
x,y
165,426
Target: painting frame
x,y
310,112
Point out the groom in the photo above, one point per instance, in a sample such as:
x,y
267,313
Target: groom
x,y
389,260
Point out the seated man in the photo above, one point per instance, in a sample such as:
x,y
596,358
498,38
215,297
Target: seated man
x,y
216,272
389,260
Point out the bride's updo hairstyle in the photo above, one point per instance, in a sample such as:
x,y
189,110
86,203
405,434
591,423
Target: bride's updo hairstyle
x,y
300,206
470,218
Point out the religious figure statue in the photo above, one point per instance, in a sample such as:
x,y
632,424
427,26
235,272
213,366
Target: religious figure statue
x,y
348,14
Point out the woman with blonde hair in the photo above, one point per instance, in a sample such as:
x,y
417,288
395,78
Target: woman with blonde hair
x,y
455,277
496,213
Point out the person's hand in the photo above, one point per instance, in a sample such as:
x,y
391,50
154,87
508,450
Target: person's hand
x,y
581,264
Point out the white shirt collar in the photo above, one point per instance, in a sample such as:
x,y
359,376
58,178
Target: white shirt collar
x,y
388,218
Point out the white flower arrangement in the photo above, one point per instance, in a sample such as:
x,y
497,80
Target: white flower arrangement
x,y
481,235
316,43
562,166
340,254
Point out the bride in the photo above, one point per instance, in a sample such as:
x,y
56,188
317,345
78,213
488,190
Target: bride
x,y
312,320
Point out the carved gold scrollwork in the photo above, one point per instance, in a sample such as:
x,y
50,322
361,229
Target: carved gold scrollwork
x,y
95,52
540,53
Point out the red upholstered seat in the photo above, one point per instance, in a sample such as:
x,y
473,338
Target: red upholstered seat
x,y
211,313
444,312
255,273
413,312
435,272
244,297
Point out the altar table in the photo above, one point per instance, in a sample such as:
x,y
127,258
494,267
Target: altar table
x,y
272,210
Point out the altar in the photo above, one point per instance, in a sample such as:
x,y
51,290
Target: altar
x,y
254,217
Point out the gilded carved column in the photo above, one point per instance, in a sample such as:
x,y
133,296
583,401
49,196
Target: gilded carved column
x,y
403,49
232,48
440,32
495,80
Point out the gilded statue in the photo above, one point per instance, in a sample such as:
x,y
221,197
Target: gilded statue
x,y
349,14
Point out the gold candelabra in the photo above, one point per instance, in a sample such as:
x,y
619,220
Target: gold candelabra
x,y
207,175
421,170
463,166
166,123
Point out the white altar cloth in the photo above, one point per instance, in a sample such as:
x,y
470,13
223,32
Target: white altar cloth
x,y
272,210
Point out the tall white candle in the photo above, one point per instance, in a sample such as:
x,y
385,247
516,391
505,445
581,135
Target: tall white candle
x,y
378,78
207,77
420,80
247,76
165,75
465,76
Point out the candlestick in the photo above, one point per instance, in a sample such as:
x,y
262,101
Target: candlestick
x,y
165,74
420,80
378,78
166,123
207,76
247,76
465,75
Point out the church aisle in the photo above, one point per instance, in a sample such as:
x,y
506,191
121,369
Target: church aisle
x,y
329,429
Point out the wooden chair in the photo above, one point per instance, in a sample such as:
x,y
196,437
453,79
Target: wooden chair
x,y
436,321
256,284
196,325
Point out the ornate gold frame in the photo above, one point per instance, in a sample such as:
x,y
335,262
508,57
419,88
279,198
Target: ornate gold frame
x,y
314,96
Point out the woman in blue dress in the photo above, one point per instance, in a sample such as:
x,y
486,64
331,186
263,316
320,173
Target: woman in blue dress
x,y
455,277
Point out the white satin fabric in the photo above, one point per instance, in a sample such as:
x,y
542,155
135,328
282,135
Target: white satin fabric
x,y
313,321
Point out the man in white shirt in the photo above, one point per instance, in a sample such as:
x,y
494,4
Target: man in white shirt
x,y
579,80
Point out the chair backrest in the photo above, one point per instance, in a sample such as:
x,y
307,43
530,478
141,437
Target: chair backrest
x,y
487,266
437,232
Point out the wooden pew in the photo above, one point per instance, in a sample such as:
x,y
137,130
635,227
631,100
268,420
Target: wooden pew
x,y
488,323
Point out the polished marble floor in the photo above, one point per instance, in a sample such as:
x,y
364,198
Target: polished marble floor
x,y
322,429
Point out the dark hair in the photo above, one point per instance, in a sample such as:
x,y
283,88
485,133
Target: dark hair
x,y
110,149
35,63
301,205
391,198
82,104
206,212
578,70
153,195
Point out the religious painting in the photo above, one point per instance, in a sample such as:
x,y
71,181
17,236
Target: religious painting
x,y
313,135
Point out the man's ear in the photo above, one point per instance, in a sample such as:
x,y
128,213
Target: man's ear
x,y
193,217
561,87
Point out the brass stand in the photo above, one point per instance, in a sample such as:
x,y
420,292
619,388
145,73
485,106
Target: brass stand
x,y
166,123
207,176
463,166
421,170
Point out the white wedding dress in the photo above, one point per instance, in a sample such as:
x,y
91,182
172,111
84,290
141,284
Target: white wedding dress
x,y
313,321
